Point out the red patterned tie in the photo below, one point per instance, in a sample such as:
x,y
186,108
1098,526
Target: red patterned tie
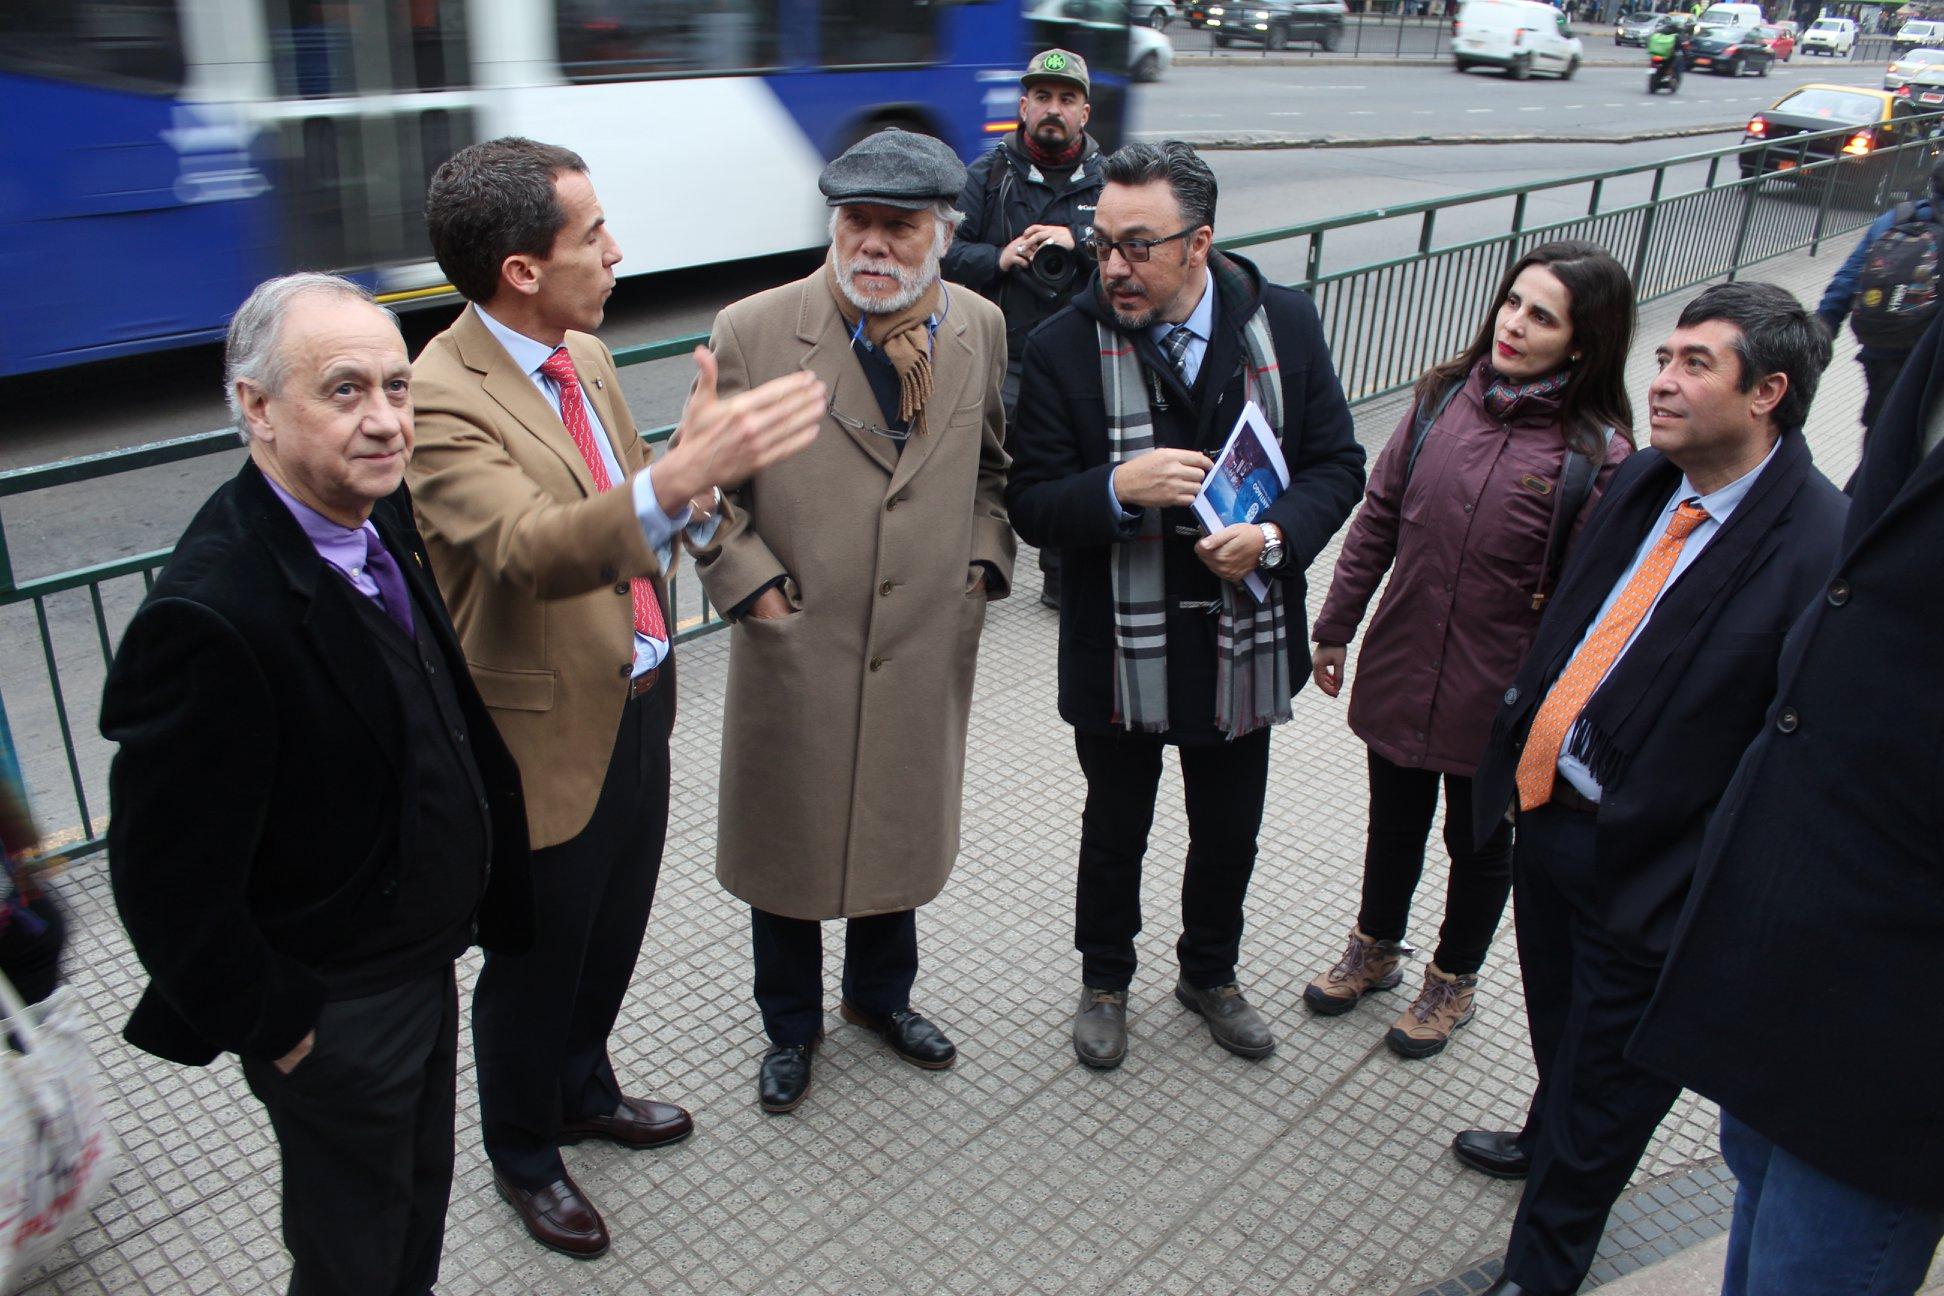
x,y
573,412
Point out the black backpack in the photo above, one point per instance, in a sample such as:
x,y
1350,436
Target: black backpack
x,y
1575,487
1896,292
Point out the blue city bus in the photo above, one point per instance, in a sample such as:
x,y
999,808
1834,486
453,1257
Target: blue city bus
x,y
163,156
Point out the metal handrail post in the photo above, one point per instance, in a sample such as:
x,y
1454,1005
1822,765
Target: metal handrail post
x,y
1647,228
1822,216
1313,263
1750,188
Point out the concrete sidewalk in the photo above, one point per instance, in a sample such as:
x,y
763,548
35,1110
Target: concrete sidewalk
x,y
1323,1169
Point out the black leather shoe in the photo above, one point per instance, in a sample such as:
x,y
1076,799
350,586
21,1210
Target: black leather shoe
x,y
784,1077
1234,1025
1100,1028
910,1036
1493,1152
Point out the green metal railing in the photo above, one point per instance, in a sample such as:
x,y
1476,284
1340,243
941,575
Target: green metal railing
x,y
1385,321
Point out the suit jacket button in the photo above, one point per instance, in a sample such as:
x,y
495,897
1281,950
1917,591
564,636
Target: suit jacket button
x,y
388,889
1787,721
621,588
609,574
885,588
891,504
1839,592
877,663
1511,697
627,669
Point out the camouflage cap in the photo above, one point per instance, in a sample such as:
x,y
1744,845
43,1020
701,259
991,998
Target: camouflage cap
x,y
1058,65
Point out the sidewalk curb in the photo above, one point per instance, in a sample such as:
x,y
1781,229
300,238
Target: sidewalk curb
x,y
1242,141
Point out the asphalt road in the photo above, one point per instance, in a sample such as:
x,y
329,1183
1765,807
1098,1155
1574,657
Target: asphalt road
x,y
1388,100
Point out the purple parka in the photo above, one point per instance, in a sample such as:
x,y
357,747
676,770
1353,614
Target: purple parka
x,y
1465,542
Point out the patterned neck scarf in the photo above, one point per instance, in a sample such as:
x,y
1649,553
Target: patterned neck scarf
x,y
1506,400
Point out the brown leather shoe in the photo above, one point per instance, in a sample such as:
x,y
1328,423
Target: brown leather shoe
x,y
636,1123
558,1217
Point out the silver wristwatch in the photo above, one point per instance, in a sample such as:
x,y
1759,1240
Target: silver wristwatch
x,y
1272,546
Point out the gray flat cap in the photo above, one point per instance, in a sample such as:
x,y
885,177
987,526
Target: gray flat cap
x,y
897,168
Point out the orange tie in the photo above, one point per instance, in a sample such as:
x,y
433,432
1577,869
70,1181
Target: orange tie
x,y
1540,763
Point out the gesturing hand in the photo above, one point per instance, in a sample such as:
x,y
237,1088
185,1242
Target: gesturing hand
x,y
1161,478
725,442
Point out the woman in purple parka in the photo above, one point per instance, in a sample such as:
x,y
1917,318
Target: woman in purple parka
x,y
1471,515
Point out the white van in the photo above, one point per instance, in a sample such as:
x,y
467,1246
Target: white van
x,y
1736,17
1521,36
1836,36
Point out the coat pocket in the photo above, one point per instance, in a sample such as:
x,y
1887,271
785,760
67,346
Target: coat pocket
x,y
514,690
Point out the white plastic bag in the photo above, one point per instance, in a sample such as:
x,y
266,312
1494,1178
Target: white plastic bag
x,y
56,1150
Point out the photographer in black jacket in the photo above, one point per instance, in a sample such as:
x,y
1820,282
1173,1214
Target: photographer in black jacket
x,y
1029,205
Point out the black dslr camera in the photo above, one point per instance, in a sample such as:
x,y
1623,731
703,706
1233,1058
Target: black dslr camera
x,y
1052,270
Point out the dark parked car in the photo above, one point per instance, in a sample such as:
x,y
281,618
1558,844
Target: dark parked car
x,y
1730,51
1274,23
1635,28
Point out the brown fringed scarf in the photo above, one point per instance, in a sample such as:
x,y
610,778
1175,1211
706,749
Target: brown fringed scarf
x,y
903,338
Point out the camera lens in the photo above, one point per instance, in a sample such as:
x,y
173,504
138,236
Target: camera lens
x,y
1053,266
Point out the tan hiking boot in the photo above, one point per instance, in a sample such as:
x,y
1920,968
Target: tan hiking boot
x,y
1442,1007
1366,966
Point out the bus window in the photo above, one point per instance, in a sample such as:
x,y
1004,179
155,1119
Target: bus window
x,y
324,49
132,44
866,33
627,40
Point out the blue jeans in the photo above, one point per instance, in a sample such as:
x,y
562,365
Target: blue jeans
x,y
1798,1232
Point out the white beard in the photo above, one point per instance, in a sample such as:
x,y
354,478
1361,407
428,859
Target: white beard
x,y
912,284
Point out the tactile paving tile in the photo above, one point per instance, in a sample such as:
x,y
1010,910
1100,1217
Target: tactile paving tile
x,y
1319,1170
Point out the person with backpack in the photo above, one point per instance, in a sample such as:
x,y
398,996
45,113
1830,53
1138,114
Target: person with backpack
x,y
1471,508
1029,205
1887,289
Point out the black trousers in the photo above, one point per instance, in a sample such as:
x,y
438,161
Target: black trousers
x,y
1224,785
364,1124
1594,1111
880,966
1879,376
541,1019
1402,802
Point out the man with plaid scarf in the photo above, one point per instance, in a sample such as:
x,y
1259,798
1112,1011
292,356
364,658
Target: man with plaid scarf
x,y
1126,397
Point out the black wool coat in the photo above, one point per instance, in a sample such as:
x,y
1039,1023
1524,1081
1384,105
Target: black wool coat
x,y
1651,819
1057,491
1801,990
257,802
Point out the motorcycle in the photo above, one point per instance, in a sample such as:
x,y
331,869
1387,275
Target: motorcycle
x,y
1665,73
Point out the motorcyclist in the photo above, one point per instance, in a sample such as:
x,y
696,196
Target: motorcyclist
x,y
1667,49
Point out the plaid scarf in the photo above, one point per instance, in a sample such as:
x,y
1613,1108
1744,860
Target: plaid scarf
x,y
1252,681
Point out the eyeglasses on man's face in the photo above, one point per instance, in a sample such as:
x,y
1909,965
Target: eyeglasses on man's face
x,y
1133,250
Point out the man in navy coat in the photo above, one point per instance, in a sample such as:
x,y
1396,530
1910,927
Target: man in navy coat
x,y
1802,986
1649,675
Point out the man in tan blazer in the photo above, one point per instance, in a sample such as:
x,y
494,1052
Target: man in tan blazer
x,y
550,535
857,575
